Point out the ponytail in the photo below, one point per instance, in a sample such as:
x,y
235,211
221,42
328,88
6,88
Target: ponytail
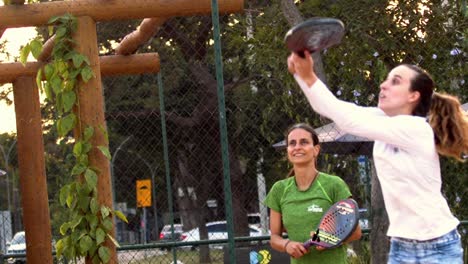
x,y
450,125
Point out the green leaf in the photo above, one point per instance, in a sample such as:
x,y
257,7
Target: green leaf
x,y
69,99
59,248
107,224
86,59
76,222
39,80
48,91
121,216
67,123
94,206
85,243
61,66
105,151
56,84
36,48
104,132
83,202
52,20
51,30
61,31
96,260
24,54
70,199
78,169
49,71
64,228
92,250
104,211
104,254
77,148
100,236
64,191
91,178
93,220
87,74
77,60
88,133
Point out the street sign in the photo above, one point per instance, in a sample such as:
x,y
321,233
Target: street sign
x,y
143,189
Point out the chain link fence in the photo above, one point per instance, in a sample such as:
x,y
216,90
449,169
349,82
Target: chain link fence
x,y
165,135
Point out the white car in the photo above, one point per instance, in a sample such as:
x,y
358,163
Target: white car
x,y
17,246
216,230
364,218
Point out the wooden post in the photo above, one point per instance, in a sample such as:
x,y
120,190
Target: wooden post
x,y
91,113
33,183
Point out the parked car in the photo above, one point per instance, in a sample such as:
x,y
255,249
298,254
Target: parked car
x,y
166,233
364,218
17,246
216,230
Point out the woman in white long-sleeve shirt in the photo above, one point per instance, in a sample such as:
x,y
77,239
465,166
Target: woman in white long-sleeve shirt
x,y
411,126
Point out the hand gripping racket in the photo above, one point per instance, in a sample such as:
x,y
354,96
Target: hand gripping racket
x,y
336,225
314,34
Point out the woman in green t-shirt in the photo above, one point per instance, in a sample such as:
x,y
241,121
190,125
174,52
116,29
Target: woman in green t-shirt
x,y
297,203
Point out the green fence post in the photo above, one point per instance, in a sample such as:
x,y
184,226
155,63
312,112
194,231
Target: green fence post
x,y
166,159
223,129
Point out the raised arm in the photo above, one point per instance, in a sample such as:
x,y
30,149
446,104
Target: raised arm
x,y
369,122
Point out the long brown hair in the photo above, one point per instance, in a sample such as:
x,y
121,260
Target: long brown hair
x,y
306,127
445,115
450,125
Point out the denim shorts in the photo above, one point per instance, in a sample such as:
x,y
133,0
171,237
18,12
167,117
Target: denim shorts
x,y
446,249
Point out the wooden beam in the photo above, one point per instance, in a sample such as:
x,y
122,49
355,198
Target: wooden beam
x,y
33,183
110,65
147,29
38,14
91,114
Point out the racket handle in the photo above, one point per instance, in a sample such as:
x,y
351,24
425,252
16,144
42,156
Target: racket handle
x,y
302,54
308,243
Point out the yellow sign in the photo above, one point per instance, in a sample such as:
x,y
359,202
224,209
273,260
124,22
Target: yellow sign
x,y
143,189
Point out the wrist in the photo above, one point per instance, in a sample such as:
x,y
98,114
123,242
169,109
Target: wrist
x,y
310,80
286,245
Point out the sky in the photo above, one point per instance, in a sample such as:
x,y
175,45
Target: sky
x,y
15,37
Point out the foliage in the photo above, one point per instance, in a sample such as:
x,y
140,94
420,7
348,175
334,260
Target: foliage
x,y
89,224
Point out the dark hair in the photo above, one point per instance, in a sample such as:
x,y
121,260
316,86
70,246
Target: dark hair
x,y
306,127
423,84
444,113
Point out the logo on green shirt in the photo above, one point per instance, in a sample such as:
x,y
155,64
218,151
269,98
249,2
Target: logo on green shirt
x,y
315,208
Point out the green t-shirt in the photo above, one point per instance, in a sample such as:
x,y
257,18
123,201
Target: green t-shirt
x,y
301,212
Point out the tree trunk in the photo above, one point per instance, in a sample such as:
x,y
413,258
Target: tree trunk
x,y
379,219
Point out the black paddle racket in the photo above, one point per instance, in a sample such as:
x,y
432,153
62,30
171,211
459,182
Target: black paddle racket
x,y
314,34
336,225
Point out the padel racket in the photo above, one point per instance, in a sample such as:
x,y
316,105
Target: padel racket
x,y
314,34
336,225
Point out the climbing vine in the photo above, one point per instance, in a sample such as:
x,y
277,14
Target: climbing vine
x,y
90,222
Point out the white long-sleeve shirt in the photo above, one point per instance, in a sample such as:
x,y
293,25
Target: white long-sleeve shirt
x,y
405,158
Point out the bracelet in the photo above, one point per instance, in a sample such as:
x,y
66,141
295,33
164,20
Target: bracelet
x,y
286,244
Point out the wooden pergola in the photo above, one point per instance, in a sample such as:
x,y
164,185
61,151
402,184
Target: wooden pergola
x,y
33,184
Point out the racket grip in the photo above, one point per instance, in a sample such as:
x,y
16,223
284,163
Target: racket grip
x,y
301,54
308,243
